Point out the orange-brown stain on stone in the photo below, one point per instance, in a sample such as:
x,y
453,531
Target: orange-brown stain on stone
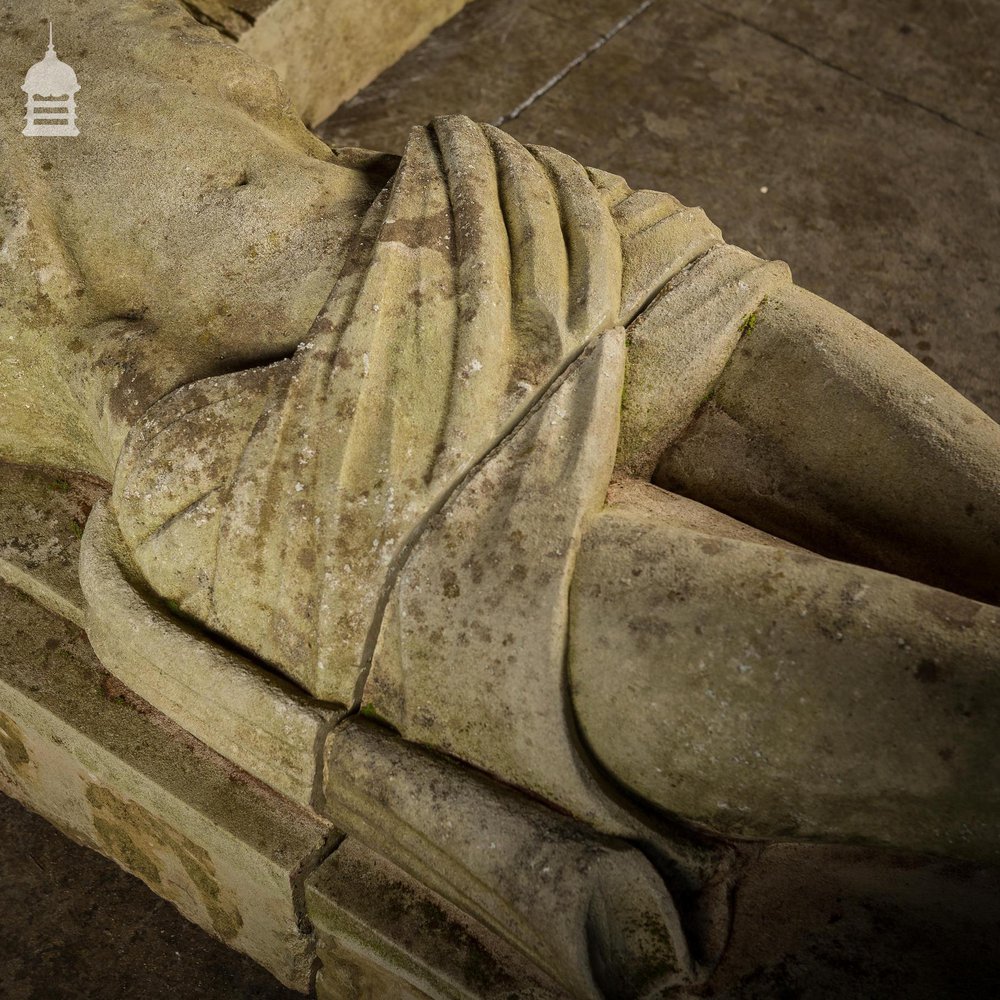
x,y
431,232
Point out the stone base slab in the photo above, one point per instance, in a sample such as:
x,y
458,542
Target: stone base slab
x,y
79,748
380,933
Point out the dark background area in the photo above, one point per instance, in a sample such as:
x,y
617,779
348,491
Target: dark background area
x,y
857,140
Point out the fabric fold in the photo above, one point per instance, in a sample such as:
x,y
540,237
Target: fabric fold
x,y
478,275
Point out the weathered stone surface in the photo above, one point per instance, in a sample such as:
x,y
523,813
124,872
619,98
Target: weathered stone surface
x,y
325,52
670,377
252,717
935,171
746,672
42,514
230,702
825,432
487,582
386,484
242,208
870,128
587,912
381,933
78,747
477,277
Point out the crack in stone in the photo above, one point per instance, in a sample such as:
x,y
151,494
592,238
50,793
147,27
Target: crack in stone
x,y
885,91
574,63
453,489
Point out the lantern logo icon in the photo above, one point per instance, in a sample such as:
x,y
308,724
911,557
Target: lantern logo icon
x,y
51,88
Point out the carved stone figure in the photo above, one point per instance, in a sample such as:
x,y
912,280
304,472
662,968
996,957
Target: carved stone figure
x,y
525,477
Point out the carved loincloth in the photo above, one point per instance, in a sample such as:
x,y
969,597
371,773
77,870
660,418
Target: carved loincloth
x,y
277,505
390,517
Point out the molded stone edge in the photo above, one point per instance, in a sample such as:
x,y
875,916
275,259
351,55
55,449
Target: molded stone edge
x,y
80,749
257,720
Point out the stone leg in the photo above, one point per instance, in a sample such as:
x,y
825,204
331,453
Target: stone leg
x,y
824,432
766,691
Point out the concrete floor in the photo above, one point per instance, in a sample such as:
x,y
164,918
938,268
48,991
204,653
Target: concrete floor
x,y
858,141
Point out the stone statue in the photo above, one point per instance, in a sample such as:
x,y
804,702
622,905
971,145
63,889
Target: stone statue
x,y
530,475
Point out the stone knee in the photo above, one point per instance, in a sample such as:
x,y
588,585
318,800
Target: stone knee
x,y
824,432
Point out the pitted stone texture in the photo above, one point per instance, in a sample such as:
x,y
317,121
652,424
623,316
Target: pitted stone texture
x,y
485,591
231,702
42,514
243,209
771,693
872,186
825,432
80,749
589,912
477,276
381,933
